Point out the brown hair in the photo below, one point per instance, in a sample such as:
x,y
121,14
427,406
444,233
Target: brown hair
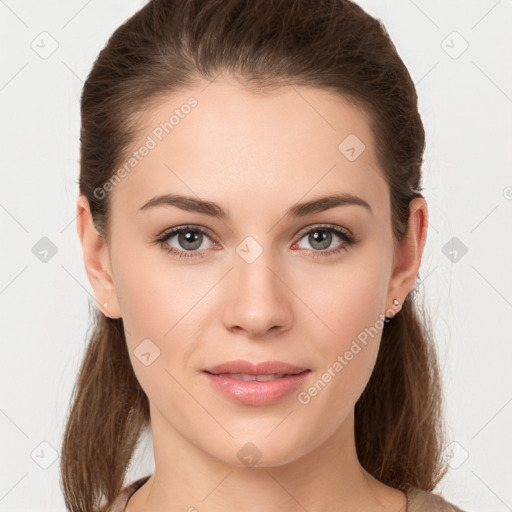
x,y
329,44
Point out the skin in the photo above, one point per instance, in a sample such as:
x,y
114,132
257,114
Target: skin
x,y
252,154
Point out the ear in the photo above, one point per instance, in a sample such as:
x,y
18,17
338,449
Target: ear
x,y
96,260
408,252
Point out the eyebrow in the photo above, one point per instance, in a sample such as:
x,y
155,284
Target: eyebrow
x,y
193,204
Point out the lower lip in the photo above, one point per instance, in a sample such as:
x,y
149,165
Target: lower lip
x,y
254,392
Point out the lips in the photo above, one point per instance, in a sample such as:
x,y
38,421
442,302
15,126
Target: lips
x,y
245,370
258,384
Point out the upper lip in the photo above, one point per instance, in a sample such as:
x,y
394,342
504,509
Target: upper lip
x,y
263,368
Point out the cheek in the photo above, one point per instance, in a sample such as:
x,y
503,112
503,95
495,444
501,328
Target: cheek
x,y
352,306
154,294
349,300
158,304
359,308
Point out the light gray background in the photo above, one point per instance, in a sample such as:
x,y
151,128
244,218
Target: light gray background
x,y
466,106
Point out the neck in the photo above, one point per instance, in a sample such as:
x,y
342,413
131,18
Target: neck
x,y
328,479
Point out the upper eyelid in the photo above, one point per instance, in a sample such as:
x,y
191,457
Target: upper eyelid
x,y
176,230
327,227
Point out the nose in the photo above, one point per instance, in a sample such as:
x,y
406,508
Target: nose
x,y
257,298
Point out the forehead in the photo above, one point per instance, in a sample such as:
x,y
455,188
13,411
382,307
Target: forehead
x,y
239,148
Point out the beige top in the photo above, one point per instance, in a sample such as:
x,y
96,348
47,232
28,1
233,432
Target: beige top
x,y
417,500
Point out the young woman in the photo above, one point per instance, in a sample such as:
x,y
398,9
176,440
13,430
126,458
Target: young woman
x,y
252,225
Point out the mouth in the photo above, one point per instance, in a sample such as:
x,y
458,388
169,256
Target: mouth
x,y
253,384
260,378
246,370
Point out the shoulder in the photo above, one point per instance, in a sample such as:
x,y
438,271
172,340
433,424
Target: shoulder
x,y
120,502
425,501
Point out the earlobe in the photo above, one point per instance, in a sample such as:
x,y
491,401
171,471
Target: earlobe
x,y
409,251
96,260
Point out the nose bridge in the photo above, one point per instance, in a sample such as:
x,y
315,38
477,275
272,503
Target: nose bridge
x,y
257,299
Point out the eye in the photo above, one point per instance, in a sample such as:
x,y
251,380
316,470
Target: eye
x,y
189,239
321,237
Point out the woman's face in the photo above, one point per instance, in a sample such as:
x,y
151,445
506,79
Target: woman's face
x,y
258,284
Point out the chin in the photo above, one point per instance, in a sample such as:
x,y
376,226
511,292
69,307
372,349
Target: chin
x,y
261,453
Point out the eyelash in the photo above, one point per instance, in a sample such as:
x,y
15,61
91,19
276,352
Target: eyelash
x,y
347,238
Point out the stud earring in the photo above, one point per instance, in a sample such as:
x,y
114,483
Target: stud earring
x,y
396,303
